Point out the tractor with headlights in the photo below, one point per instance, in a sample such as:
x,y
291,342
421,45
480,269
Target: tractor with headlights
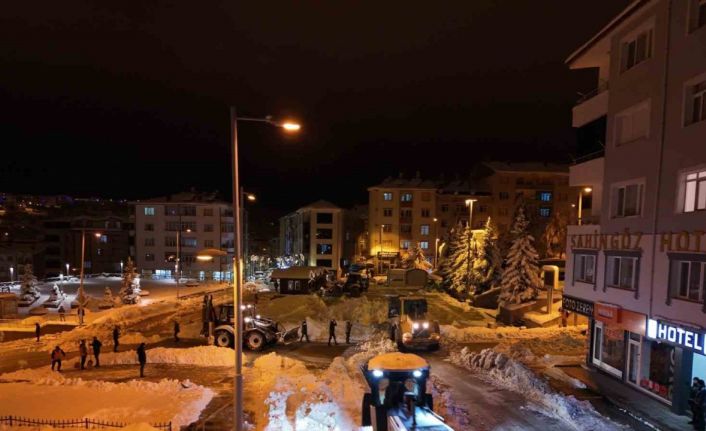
x,y
410,325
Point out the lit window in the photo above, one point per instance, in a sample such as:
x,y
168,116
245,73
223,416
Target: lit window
x,y
404,244
324,248
545,212
695,191
632,124
424,229
406,197
387,196
585,268
424,245
637,49
621,272
103,239
544,196
149,211
627,200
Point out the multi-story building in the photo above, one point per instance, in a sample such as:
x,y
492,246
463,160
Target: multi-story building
x,y
200,220
315,231
636,265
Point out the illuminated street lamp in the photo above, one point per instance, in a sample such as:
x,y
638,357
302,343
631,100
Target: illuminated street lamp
x,y
238,260
436,242
12,274
177,267
81,294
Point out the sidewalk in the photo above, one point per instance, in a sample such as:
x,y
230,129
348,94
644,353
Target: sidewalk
x,y
641,406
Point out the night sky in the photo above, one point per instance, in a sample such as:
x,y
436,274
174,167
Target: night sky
x,y
130,99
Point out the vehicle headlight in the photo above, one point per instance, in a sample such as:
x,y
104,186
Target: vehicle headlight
x,y
417,373
257,316
377,373
248,319
425,325
415,325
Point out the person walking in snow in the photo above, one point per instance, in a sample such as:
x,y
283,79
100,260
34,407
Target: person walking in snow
x,y
57,355
62,313
332,331
83,352
142,358
96,344
37,330
116,338
349,328
696,385
81,313
177,329
305,332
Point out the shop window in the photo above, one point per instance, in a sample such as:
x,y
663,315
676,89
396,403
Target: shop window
x,y
687,277
585,268
621,272
657,368
609,348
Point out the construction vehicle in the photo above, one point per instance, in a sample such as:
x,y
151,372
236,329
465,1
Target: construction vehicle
x,y
398,398
258,331
410,326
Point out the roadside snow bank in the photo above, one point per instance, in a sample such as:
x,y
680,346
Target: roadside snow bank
x,y
204,356
512,375
134,401
478,334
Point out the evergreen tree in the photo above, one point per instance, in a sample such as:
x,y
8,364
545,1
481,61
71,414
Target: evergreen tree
x,y
28,284
487,267
554,236
520,278
415,258
446,258
462,263
108,300
129,290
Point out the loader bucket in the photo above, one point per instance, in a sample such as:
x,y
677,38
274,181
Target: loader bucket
x,y
290,335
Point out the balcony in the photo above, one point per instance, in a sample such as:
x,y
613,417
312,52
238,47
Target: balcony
x,y
591,106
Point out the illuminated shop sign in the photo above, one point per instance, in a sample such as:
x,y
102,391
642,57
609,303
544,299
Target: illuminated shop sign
x,y
683,337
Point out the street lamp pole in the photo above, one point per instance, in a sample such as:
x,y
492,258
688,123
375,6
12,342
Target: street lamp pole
x,y
382,228
436,242
81,294
238,259
12,274
469,202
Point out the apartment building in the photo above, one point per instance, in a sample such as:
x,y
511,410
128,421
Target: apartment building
x,y
636,263
315,231
200,220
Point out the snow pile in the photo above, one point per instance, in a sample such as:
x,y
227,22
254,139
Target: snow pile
x,y
134,401
512,375
483,334
203,356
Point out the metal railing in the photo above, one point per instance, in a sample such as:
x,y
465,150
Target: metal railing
x,y
85,423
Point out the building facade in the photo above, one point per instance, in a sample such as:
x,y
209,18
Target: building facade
x,y
316,232
636,264
199,220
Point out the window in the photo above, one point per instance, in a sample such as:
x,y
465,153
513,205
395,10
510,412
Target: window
x,y
426,212
697,14
387,212
405,228
444,223
424,245
324,262
503,196
544,196
637,49
170,241
387,228
585,268
324,233
208,212
695,109
172,226
424,229
502,211
149,257
149,211
621,272
406,214
387,244
632,124
387,196
208,227
208,243
324,248
227,227
445,208
701,21
627,200
99,252
149,242
482,208
426,196
188,242
324,218
694,186
687,279
406,197
149,227
545,211
188,226
171,210
103,239
404,244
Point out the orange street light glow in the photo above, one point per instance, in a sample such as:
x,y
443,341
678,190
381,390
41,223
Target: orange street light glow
x,y
291,127
251,197
587,189
204,258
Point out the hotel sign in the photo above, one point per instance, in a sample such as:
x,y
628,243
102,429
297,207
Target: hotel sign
x,y
688,338
576,305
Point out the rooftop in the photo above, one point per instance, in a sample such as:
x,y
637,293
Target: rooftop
x,y
192,197
529,167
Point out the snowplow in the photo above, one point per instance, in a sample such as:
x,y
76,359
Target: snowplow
x,y
410,326
398,399
258,331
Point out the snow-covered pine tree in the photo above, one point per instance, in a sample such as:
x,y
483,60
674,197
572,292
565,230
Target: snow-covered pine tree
x,y
415,258
488,264
28,284
108,299
462,263
520,278
129,292
554,236
445,267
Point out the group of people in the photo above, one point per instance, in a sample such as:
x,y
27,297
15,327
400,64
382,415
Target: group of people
x,y
331,331
697,402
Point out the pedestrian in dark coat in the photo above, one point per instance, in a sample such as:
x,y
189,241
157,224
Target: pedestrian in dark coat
x,y
96,344
116,338
62,313
37,330
142,358
349,328
332,331
177,329
699,407
57,355
83,352
695,388
304,332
